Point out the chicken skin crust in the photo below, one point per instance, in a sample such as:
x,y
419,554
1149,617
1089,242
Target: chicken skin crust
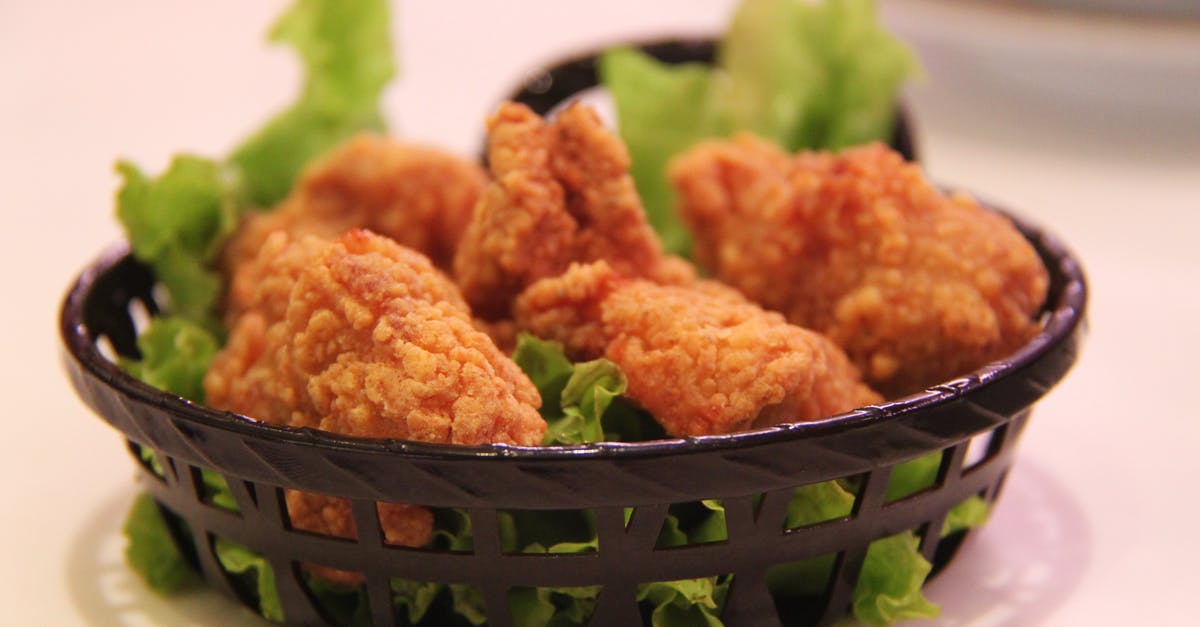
x,y
421,197
917,286
373,342
701,359
561,193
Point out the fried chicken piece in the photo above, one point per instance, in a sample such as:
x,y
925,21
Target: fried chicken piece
x,y
418,196
701,359
376,342
373,342
916,286
561,192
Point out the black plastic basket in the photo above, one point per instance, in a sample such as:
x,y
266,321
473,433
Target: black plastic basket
x,y
753,474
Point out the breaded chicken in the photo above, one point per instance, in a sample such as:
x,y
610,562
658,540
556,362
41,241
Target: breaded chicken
x,y
917,286
375,342
420,197
701,359
561,192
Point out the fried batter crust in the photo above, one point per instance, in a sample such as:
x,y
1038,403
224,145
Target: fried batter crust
x,y
701,359
917,286
421,197
561,193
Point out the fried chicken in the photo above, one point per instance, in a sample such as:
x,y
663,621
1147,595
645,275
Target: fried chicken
x,y
917,286
420,197
700,358
561,192
372,341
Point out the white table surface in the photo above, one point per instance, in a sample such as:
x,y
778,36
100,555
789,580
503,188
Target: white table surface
x,y
1097,524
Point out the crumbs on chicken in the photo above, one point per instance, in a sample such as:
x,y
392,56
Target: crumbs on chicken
x,y
561,192
700,358
421,197
916,285
374,342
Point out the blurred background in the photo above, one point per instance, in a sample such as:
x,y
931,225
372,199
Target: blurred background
x,y
1083,115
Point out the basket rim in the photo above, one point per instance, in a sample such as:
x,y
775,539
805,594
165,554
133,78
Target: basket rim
x,y
1063,315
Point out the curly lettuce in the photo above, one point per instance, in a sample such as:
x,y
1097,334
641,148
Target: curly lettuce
x,y
802,74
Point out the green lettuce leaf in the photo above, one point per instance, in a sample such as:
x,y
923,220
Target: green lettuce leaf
x,y
916,475
663,110
547,367
889,586
467,603
412,598
575,397
176,353
343,604
969,514
175,223
686,603
553,607
893,571
216,489
700,522
813,74
801,74
257,571
151,550
347,53
913,476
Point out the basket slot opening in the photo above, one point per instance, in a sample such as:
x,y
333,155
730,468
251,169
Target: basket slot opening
x,y
983,446
409,602
139,315
533,605
212,489
916,476
693,523
547,531
819,503
319,515
245,574
105,347
451,532
338,596
149,460
692,601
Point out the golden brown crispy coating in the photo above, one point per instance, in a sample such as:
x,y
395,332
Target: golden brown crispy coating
x,y
561,192
916,286
701,358
420,197
377,343
373,342
263,283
